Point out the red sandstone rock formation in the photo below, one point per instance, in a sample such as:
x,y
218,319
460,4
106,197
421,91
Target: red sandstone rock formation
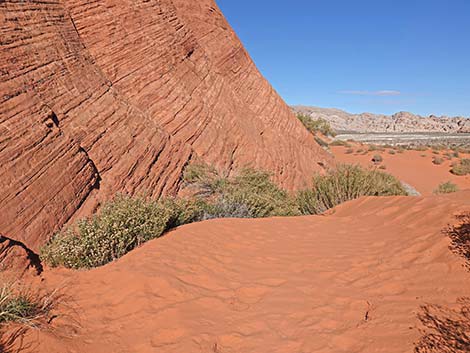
x,y
117,96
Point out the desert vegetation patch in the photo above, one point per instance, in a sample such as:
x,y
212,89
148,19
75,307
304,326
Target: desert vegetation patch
x,y
125,223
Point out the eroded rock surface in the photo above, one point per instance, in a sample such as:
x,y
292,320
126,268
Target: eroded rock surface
x,y
99,97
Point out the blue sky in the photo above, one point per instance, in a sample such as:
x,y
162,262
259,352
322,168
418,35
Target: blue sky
x,y
379,56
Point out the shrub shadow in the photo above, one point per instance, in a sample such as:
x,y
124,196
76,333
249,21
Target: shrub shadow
x,y
460,236
446,330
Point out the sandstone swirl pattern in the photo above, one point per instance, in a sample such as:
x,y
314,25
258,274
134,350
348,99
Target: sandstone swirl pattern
x,y
106,96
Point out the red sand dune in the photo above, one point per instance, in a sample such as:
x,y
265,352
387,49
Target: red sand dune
x,y
350,281
410,167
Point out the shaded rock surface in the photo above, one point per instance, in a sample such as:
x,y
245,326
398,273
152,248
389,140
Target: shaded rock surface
x,y
399,122
99,97
16,257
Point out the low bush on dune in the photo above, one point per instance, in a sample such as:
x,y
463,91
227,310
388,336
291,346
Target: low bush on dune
x,y
462,168
125,223
250,194
340,143
446,188
317,125
437,160
346,183
122,225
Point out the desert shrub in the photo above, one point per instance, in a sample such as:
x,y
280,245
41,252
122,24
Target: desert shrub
x,y
317,125
373,148
123,224
345,183
437,160
462,168
400,150
252,194
392,152
420,148
377,158
349,151
448,155
446,188
22,305
340,143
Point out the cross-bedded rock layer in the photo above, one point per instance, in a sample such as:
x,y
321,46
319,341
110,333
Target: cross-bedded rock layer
x,y
107,96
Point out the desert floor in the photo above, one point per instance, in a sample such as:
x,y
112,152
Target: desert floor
x,y
357,279
415,168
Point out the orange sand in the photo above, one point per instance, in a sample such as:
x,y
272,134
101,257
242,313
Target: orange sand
x,y
409,167
350,281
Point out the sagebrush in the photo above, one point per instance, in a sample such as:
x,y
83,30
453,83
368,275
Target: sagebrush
x,y
446,188
462,168
317,125
345,183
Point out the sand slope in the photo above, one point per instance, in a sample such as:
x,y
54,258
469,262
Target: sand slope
x,y
350,281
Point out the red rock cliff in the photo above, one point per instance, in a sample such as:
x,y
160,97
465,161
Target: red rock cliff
x,y
106,96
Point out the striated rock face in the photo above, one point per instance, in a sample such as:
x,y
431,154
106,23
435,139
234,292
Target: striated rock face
x,y
399,122
106,96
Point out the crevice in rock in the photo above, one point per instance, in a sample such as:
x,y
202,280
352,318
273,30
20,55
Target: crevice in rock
x,y
7,244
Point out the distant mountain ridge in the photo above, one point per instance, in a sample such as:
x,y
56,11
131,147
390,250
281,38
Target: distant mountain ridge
x,y
399,122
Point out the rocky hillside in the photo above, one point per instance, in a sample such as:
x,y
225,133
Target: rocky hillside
x,y
399,122
106,96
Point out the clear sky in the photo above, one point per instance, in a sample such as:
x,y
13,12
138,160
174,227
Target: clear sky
x,y
379,56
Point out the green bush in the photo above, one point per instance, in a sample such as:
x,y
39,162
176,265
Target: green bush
x,y
122,225
446,188
346,183
462,168
249,194
317,125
